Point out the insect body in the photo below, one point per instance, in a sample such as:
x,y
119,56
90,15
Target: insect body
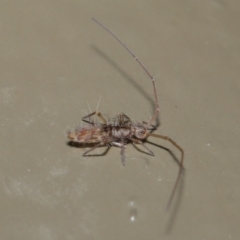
x,y
120,130
117,132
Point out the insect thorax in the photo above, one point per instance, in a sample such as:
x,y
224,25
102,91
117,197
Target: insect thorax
x,y
119,132
140,130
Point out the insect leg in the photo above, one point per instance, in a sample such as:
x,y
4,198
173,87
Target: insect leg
x,y
123,152
180,165
117,144
171,141
96,146
92,114
136,141
122,146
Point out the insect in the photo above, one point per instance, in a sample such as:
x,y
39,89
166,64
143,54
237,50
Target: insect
x,y
120,130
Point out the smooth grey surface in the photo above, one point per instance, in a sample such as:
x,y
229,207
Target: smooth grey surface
x,y
55,60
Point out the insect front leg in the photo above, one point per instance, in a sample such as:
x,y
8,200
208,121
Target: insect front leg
x,y
136,141
180,164
173,143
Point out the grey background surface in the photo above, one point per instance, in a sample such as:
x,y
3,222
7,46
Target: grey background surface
x,y
55,60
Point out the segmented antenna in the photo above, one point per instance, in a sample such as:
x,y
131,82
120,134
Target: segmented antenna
x,y
141,64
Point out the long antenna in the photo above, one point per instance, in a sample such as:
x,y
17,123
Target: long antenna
x,y
141,64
